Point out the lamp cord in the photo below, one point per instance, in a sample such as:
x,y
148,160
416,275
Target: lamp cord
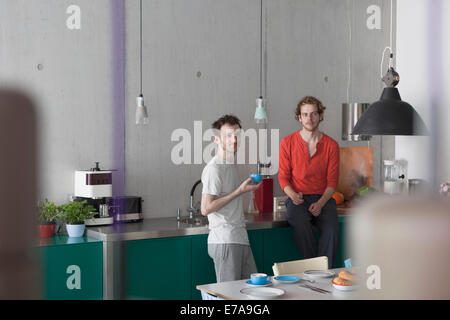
x,y
261,50
140,44
391,55
350,57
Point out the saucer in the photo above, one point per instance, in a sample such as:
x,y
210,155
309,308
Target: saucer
x,y
250,283
287,279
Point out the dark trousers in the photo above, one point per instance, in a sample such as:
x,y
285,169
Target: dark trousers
x,y
302,221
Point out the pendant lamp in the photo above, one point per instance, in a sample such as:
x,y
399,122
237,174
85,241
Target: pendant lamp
x,y
141,109
390,115
261,112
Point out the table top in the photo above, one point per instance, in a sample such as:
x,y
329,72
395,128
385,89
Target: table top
x,y
230,290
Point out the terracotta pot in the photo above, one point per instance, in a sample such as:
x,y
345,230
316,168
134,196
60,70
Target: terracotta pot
x,y
46,230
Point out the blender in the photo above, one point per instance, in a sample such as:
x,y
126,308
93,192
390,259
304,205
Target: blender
x,y
393,177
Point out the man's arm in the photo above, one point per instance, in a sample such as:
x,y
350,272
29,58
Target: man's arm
x,y
285,174
212,203
316,207
297,198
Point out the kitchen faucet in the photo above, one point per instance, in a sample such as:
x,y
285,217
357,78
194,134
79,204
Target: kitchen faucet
x,y
193,210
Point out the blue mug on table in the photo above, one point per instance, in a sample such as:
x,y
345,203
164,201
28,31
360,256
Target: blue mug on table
x,y
256,178
258,278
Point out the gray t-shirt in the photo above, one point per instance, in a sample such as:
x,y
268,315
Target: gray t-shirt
x,y
227,225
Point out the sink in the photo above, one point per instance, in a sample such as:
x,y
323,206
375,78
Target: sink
x,y
195,221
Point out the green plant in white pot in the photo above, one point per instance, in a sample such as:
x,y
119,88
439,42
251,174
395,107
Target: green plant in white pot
x,y
74,214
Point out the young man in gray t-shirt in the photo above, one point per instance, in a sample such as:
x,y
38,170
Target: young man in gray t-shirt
x,y
228,243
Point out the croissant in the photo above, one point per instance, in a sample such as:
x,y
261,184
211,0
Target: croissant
x,y
345,275
342,282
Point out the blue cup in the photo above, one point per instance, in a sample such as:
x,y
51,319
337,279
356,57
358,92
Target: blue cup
x,y
256,178
258,278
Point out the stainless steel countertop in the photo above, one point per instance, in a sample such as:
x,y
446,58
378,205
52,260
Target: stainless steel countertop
x,y
170,227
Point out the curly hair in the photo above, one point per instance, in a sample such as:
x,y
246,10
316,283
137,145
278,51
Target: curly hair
x,y
229,119
309,100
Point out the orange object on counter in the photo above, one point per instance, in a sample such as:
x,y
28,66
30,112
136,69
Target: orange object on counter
x,y
339,197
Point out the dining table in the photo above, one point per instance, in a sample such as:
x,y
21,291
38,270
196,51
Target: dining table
x,y
238,290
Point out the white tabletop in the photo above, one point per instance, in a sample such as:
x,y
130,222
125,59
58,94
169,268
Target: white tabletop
x,y
230,290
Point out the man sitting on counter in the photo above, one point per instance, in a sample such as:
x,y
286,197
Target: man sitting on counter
x,y
308,174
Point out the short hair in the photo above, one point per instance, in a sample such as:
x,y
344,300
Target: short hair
x,y
226,119
309,100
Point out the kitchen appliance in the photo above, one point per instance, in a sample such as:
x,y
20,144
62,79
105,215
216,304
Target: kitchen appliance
x,y
393,177
94,186
102,218
279,204
125,208
351,112
93,183
264,194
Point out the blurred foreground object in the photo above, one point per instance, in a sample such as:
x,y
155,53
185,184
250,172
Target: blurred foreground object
x,y
444,189
401,247
18,272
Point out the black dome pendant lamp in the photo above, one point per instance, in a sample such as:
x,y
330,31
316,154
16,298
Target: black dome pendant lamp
x,y
390,115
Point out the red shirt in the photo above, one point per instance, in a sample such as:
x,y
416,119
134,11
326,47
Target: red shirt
x,y
305,174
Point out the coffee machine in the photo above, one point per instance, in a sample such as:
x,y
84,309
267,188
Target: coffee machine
x,y
95,186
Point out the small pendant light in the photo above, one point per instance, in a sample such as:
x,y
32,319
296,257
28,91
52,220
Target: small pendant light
x,y
261,112
141,109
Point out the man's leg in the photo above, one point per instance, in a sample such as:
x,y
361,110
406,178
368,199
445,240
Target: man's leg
x,y
248,262
227,261
327,222
300,219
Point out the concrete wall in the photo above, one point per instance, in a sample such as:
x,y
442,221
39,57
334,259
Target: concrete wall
x,y
201,60
73,88
418,83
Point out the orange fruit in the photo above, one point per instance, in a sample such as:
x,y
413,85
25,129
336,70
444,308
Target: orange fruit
x,y
339,197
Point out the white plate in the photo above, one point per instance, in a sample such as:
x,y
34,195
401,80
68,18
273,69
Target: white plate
x,y
268,283
262,293
319,273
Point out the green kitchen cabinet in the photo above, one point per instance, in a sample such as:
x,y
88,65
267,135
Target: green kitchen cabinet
x,y
202,265
71,268
256,239
158,268
342,249
171,268
278,247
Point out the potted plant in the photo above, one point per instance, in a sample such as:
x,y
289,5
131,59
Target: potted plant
x,y
47,213
74,214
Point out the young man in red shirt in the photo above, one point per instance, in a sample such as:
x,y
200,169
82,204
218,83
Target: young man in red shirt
x,y
308,174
